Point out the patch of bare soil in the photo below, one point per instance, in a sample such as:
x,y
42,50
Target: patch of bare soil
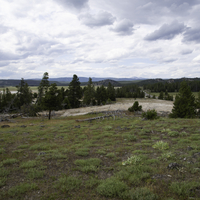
x,y
122,104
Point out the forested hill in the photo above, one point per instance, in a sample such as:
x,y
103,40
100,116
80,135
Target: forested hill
x,y
106,82
159,80
170,85
12,82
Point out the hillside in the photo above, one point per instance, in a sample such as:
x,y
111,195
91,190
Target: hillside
x,y
106,82
123,157
159,80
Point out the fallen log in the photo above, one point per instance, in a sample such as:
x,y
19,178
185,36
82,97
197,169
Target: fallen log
x,y
94,118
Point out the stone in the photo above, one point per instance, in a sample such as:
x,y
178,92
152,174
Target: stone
x,y
5,126
23,126
189,148
173,166
41,153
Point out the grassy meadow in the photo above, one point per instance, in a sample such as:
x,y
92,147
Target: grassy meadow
x,y
172,94
121,158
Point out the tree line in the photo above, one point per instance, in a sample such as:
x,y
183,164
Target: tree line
x,y
49,97
171,87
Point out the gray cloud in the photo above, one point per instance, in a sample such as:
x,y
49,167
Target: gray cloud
x,y
100,19
124,27
77,4
166,31
186,51
3,29
170,60
4,63
11,56
192,35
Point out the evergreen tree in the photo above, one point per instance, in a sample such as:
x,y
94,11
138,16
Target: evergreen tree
x,y
161,95
75,92
89,93
184,104
24,94
111,92
43,87
52,99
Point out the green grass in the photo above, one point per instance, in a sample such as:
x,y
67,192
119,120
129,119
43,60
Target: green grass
x,y
100,160
21,189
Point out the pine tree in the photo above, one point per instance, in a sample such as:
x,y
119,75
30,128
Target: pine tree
x,y
75,92
24,94
161,95
184,104
43,87
89,93
111,92
52,99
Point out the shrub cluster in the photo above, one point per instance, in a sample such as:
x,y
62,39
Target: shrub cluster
x,y
150,114
135,107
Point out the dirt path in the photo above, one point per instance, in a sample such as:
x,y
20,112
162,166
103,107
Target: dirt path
x,y
122,104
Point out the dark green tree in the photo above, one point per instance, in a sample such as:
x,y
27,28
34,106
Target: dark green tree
x,y
43,87
111,92
24,94
135,107
161,95
75,92
89,93
7,100
52,99
184,104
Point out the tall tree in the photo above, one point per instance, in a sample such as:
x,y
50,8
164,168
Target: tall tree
x,y
89,93
184,104
111,92
52,99
75,92
24,94
43,87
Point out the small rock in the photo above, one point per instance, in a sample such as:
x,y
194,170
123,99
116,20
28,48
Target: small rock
x,y
196,154
184,159
42,126
189,148
5,126
41,153
23,126
173,166
77,126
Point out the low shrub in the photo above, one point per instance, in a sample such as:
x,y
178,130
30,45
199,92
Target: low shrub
x,y
142,194
111,187
66,184
161,145
135,107
150,114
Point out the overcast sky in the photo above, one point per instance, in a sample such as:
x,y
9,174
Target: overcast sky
x,y
99,38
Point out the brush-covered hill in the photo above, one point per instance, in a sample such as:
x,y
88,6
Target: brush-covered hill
x,y
106,82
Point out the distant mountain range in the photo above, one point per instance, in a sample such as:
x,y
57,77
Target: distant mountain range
x,y
64,81
94,79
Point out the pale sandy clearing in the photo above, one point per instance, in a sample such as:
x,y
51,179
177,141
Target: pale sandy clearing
x,y
122,104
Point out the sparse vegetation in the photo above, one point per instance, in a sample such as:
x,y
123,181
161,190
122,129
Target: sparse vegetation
x,y
121,158
135,107
150,114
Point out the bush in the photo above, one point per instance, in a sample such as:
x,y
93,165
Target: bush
x,y
150,114
135,107
142,194
111,187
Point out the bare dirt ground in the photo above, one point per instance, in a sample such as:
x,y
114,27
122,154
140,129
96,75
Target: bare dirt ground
x,y
121,104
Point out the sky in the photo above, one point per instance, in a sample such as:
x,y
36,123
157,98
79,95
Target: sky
x,y
99,38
